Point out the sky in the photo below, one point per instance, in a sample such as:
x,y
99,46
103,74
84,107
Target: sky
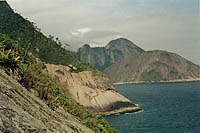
x,y
171,25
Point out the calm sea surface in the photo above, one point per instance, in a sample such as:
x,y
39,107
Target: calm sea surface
x,y
168,108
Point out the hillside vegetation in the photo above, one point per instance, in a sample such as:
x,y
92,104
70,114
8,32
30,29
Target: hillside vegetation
x,y
28,35
20,37
16,62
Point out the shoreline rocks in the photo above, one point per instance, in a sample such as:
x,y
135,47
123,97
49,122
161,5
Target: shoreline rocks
x,y
94,92
169,81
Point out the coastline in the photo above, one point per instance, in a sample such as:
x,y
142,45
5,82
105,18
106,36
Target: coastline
x,y
122,111
168,81
125,110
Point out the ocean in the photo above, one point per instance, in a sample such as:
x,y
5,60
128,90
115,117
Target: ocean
x,y
167,108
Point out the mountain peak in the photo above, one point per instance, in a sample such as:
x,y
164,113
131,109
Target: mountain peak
x,y
86,46
122,43
103,57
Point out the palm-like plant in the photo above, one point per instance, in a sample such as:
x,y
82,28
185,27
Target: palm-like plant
x,y
9,59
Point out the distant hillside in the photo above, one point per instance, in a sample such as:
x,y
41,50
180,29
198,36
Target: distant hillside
x,y
103,57
153,66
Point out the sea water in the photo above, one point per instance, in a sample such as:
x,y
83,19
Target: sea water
x,y
167,108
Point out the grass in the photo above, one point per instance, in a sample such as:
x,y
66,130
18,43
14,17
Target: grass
x,y
33,77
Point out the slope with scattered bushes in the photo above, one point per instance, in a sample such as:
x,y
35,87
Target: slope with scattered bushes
x,y
16,62
28,35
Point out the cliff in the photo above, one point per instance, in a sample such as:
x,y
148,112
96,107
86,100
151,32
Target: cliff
x,y
21,111
154,66
94,92
103,57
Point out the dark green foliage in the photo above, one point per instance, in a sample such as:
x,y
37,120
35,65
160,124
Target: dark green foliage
x,y
17,28
32,77
29,37
60,72
151,76
11,55
15,55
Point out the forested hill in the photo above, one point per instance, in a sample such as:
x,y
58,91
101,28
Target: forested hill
x,y
29,37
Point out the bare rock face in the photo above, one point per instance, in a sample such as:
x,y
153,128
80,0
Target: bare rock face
x,y
153,66
95,93
103,57
22,112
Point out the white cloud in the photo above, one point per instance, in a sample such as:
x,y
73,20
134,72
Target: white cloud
x,y
153,24
75,33
81,31
84,30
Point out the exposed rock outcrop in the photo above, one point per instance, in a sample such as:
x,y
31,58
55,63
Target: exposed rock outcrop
x,y
103,57
154,66
95,93
21,111
124,62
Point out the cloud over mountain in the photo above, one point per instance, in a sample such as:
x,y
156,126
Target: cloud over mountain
x,y
154,24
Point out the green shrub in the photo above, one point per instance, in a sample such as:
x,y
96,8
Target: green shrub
x,y
30,38
32,77
8,59
151,76
60,72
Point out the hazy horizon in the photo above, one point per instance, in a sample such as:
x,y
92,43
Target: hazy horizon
x,y
171,25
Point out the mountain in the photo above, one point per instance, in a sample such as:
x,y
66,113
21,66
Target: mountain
x,y
103,57
155,66
123,61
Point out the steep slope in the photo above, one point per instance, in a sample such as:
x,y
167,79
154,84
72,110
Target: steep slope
x,y
21,111
95,93
46,49
30,72
29,37
103,57
154,66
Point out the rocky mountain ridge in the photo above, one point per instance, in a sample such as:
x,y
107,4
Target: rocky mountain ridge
x,y
154,66
103,57
131,64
